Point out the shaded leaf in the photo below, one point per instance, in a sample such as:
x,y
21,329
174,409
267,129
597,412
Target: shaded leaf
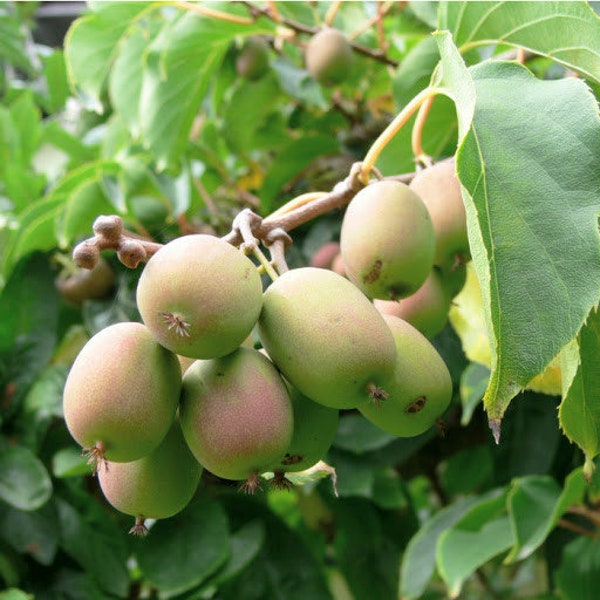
x,y
100,551
535,504
579,411
578,577
196,542
418,562
35,533
24,481
473,383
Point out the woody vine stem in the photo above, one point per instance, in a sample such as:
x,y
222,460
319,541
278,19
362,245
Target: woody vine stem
x,y
248,228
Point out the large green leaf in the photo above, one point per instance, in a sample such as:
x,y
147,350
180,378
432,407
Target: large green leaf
x,y
418,563
195,541
532,208
97,546
568,32
579,412
535,504
92,45
180,62
480,534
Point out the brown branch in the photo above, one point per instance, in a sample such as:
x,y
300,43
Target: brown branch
x,y
586,512
576,528
340,196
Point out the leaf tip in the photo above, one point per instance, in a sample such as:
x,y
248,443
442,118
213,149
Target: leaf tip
x,y
495,425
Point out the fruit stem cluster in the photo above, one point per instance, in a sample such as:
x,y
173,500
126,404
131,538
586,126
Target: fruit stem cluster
x,y
110,235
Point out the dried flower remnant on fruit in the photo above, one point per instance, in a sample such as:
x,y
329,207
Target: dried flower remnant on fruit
x,y
95,457
139,529
176,323
251,485
376,393
416,406
280,481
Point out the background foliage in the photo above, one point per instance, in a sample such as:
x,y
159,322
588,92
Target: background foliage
x,y
143,115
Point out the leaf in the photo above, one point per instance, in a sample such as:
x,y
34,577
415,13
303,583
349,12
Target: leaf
x,y
365,557
285,568
15,594
480,534
473,384
100,550
24,481
531,436
35,533
180,62
196,542
357,435
69,462
291,161
578,576
246,111
568,32
461,553
525,196
535,504
418,563
28,319
579,411
91,46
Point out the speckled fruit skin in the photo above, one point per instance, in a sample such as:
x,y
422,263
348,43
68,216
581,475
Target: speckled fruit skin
x,y
210,286
236,414
427,309
387,241
420,374
122,390
315,426
439,189
156,486
329,57
325,336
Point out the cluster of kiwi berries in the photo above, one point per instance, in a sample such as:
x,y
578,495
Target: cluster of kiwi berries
x,y
425,306
155,403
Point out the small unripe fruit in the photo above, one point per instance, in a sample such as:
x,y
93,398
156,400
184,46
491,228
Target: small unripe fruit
x,y
422,387
323,258
426,309
329,57
387,241
454,280
121,393
253,60
236,414
327,339
156,486
200,296
87,284
315,427
440,190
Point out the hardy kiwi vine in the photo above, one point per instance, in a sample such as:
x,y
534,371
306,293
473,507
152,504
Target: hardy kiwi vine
x,y
249,228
